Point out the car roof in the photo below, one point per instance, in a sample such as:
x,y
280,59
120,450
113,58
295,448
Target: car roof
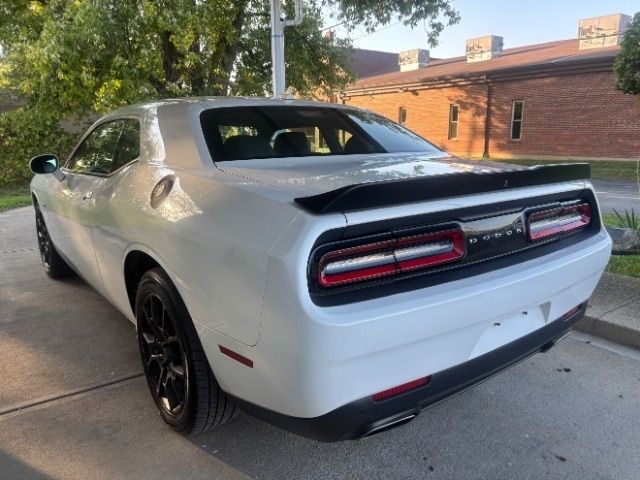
x,y
218,102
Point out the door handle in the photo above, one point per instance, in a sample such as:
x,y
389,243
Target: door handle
x,y
86,196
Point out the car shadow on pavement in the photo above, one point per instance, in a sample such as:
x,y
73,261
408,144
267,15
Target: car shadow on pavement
x,y
13,468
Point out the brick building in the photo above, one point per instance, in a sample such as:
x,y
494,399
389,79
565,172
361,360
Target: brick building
x,y
551,100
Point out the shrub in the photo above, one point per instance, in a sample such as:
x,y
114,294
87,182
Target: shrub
x,y
25,132
628,220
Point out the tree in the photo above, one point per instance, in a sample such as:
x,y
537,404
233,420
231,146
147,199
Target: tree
x,y
66,58
78,55
627,64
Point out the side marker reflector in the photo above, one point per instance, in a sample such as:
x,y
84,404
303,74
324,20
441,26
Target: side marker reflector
x,y
405,387
571,313
236,356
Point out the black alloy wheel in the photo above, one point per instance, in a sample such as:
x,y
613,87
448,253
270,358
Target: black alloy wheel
x,y
178,374
163,357
44,241
53,264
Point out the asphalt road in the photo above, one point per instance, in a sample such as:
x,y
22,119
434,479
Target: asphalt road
x,y
617,194
74,406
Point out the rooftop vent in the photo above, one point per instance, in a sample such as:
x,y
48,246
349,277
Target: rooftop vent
x,y
413,59
605,31
483,48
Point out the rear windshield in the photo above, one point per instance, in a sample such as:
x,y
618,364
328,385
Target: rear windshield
x,y
241,133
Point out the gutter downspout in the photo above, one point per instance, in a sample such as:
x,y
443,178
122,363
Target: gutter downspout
x,y
487,120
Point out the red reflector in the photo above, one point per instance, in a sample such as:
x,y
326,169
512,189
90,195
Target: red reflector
x,y
547,223
571,313
390,257
236,356
405,387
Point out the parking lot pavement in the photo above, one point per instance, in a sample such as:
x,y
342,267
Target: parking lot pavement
x,y
70,365
618,195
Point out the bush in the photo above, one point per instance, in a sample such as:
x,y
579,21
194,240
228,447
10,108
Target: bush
x,y
628,220
25,132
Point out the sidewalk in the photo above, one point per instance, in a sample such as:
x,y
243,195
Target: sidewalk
x,y
614,310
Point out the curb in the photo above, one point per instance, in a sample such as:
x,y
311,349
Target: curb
x,y
609,331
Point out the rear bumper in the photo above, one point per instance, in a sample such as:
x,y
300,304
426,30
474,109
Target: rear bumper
x,y
365,417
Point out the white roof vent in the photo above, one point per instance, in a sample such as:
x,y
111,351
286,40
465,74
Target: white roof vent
x,y
413,59
484,48
605,31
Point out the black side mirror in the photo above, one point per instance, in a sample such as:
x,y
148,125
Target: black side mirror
x,y
45,163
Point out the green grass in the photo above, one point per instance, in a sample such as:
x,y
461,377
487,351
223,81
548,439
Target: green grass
x,y
610,220
621,264
14,197
625,265
600,169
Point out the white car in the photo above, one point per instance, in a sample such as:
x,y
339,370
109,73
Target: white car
x,y
316,265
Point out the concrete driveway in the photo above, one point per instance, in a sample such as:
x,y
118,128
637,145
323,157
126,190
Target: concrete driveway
x,y
73,405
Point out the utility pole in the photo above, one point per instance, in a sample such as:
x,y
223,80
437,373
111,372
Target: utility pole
x,y
278,25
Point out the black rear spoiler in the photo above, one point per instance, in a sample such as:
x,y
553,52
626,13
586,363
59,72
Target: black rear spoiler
x,y
394,192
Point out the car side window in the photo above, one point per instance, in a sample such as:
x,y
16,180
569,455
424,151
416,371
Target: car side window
x,y
107,148
95,154
128,148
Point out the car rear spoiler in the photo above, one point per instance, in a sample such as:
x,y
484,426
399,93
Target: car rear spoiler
x,y
364,196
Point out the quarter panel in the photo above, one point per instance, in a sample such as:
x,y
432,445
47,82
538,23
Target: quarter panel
x,y
212,238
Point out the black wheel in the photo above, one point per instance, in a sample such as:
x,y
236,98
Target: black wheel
x,y
177,371
52,262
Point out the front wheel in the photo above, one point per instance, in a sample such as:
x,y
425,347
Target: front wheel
x,y
179,377
53,264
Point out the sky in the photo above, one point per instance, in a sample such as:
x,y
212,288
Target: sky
x,y
520,22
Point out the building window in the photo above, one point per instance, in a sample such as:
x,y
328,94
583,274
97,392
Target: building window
x,y
402,115
516,119
453,121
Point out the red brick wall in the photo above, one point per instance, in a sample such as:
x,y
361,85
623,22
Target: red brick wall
x,y
579,115
428,114
568,115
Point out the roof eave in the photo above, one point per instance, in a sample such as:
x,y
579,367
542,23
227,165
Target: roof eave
x,y
504,74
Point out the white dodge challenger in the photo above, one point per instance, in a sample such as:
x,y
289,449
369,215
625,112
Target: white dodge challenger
x,y
318,266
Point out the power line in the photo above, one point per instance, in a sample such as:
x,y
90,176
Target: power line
x,y
376,31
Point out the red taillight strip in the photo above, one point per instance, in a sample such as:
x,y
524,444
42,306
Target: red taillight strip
x,y
405,387
555,221
236,356
390,257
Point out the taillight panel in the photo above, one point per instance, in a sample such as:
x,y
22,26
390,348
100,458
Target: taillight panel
x,y
390,257
551,222
411,253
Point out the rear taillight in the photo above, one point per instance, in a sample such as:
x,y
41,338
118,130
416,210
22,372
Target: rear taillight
x,y
390,257
556,221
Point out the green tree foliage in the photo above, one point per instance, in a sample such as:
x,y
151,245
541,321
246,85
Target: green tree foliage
x,y
24,133
70,57
627,64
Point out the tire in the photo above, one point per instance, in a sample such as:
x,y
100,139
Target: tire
x,y
178,374
53,264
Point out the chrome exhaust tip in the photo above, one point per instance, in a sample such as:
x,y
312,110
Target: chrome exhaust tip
x,y
388,424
